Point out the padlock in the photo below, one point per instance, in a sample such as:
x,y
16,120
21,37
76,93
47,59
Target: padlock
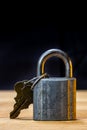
x,y
54,98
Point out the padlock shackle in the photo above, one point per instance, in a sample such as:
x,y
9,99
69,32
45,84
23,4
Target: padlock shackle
x,y
58,53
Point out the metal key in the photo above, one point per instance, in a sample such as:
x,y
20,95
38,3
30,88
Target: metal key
x,y
24,96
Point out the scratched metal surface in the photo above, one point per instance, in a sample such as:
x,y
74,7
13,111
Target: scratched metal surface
x,y
54,99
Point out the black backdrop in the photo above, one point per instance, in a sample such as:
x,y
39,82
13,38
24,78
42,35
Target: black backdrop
x,y
20,51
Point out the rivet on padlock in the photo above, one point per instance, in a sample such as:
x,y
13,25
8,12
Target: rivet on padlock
x,y
55,97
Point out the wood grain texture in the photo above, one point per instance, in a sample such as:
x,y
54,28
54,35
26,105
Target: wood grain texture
x,y
25,120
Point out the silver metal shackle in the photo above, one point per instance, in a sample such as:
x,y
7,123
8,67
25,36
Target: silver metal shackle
x,y
58,53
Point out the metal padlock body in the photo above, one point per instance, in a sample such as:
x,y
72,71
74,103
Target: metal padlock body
x,y
54,98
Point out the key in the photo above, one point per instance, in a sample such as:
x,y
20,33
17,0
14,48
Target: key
x,y
18,88
19,101
24,96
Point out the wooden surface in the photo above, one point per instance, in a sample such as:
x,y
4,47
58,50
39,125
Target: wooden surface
x,y
25,121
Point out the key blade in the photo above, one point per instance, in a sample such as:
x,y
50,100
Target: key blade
x,y
16,110
19,106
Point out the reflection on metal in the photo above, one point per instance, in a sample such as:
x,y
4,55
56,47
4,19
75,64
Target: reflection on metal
x,y
55,97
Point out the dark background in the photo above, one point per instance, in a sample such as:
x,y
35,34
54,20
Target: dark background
x,y
20,51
